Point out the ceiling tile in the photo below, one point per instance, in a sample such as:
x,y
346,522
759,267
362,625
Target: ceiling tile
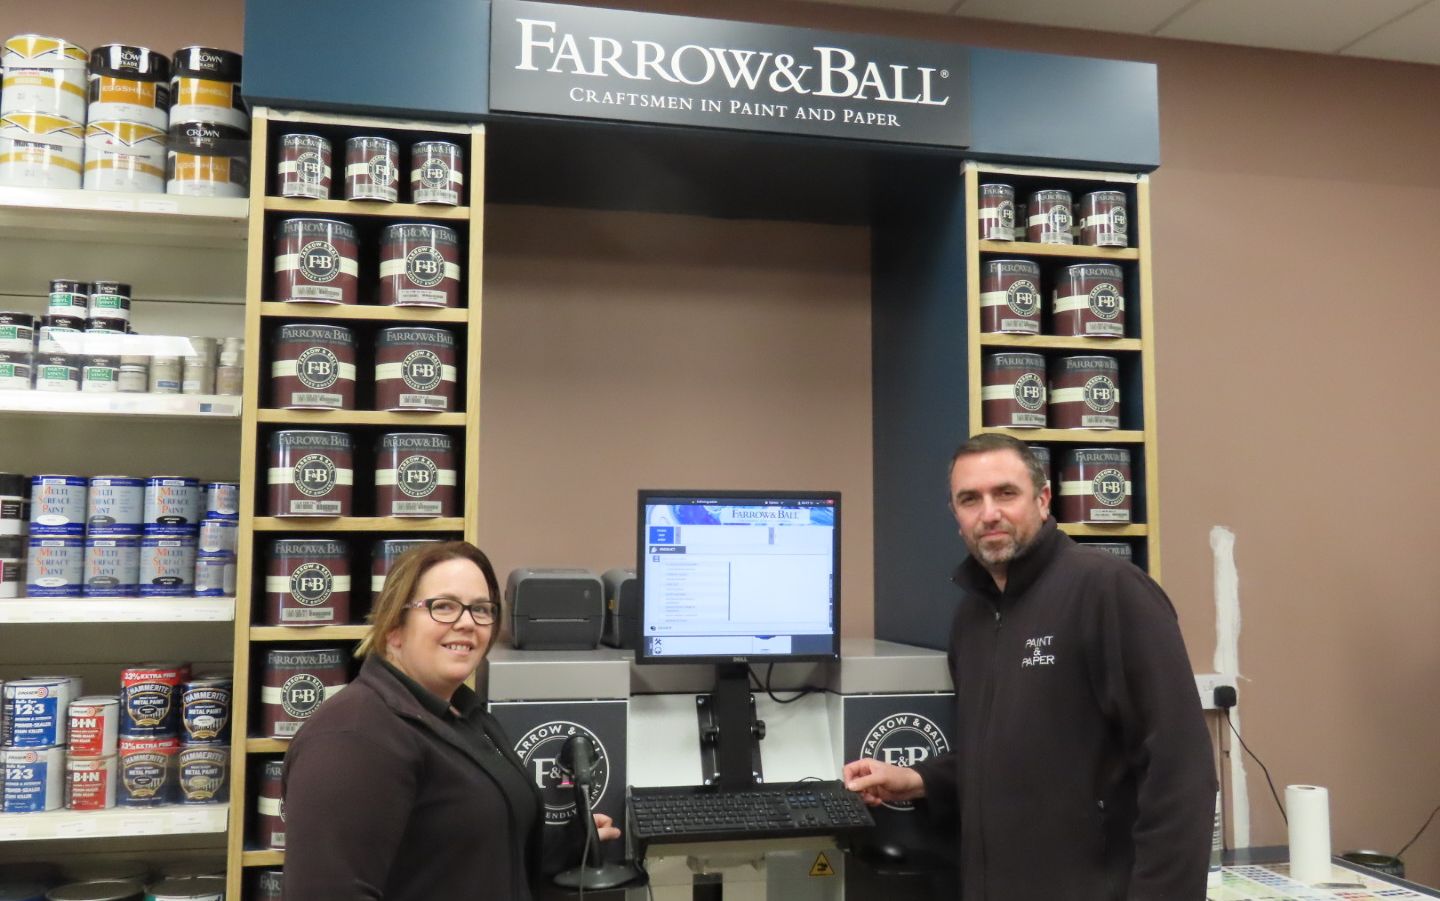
x,y
1321,26
1414,38
1133,16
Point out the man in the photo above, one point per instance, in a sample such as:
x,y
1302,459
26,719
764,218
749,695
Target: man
x,y
1082,768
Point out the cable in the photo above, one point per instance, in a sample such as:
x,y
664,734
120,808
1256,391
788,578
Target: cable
x,y
1273,793
769,671
1418,834
585,855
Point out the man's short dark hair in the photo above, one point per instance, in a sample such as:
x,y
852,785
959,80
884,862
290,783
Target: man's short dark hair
x,y
986,442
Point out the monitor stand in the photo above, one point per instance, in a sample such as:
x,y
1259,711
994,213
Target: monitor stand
x,y
729,732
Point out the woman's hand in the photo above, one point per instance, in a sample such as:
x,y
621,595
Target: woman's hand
x,y
605,826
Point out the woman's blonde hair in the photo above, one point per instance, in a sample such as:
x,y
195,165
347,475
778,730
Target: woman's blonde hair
x,y
388,610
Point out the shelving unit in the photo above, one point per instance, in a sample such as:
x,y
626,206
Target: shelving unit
x,y
1136,350
118,822
140,406
15,611
262,315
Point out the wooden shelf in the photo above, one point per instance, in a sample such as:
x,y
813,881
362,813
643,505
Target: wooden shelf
x,y
1059,342
361,417
1070,251
1102,530
175,819
358,524
112,217
262,858
221,407
371,208
308,633
116,610
347,121
405,315
266,745
1069,175
1100,437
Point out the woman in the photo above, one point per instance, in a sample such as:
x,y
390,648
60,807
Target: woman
x,y
402,786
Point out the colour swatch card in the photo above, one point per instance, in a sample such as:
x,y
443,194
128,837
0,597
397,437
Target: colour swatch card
x,y
1273,883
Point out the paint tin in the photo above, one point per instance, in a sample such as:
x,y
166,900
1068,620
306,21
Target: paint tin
x,y
1010,299
55,566
100,375
134,375
207,159
16,371
60,335
205,703
1051,215
415,369
165,375
102,337
419,266
313,367
295,683
124,156
307,582
204,776
94,723
215,576
147,772
304,168
112,567
1013,395
38,150
42,50
1085,393
997,212
90,782
372,169
34,779
57,505
437,173
1104,219
12,565
229,380
129,84
48,89
270,806
205,87
217,536
1041,453
1095,485
33,714
269,885
1089,301
99,890
14,501
316,262
384,555
57,372
167,566
68,298
149,699
17,332
172,503
311,473
198,366
1121,549
222,500
108,300
187,888
415,475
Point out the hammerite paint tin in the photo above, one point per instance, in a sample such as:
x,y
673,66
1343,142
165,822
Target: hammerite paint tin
x,y
313,367
98,890
207,159
316,262
34,779
269,885
172,503
304,167
129,84
1121,549
222,500
17,332
270,806
147,771
1095,485
33,711
59,373
47,89
307,582
68,298
38,150
204,774
94,724
12,567
109,300
372,169
437,173
997,212
205,709
55,566
1104,219
1089,301
112,567
384,555
1013,395
1010,299
294,683
415,475
310,474
16,371
124,156
90,782
149,699
167,566
1085,392
205,87
419,266
1051,216
57,505
415,369
215,576
217,536
14,501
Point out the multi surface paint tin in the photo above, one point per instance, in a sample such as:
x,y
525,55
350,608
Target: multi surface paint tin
x,y
304,167
57,505
270,806
384,555
94,725
372,169
415,369
112,566
997,212
149,699
1095,485
1089,301
34,779
205,709
437,173
204,774
1051,216
1104,219
33,711
90,782
1013,395
294,683
205,87
55,566
147,771
1010,299
114,505
129,84
172,503
167,565
419,266
415,475
307,582
222,500
313,367
316,262
217,536
207,159
1085,392
215,576
311,473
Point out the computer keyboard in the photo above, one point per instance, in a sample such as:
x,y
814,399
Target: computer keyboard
x,y
770,810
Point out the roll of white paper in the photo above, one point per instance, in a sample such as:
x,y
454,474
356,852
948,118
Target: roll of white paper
x,y
1308,809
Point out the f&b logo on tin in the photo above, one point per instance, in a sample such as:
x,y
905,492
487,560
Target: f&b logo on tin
x,y
435,173
539,751
1059,216
416,476
421,370
319,261
904,739
301,694
1119,219
1105,301
1108,487
315,475
381,171
309,167
1022,297
1006,212
1030,391
424,266
311,584
1101,394
317,367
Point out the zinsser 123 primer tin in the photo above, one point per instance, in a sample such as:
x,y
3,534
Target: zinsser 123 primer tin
x,y
307,582
33,713
34,779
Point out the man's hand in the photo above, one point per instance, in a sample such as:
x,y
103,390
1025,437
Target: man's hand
x,y
878,782
606,828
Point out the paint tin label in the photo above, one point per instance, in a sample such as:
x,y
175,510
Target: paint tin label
x,y
217,536
167,566
115,505
34,779
55,567
112,567
171,501
215,576
33,712
222,500
94,726
146,773
57,505
205,710
90,783
204,774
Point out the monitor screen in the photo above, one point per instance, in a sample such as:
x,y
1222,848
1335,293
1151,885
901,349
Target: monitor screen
x,y
738,576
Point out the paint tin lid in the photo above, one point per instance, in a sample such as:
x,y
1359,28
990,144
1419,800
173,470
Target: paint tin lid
x,y
13,484
208,63
130,63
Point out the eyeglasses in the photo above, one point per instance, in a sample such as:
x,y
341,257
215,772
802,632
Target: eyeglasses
x,y
447,610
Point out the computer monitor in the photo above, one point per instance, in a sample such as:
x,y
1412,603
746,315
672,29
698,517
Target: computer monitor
x,y
737,577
